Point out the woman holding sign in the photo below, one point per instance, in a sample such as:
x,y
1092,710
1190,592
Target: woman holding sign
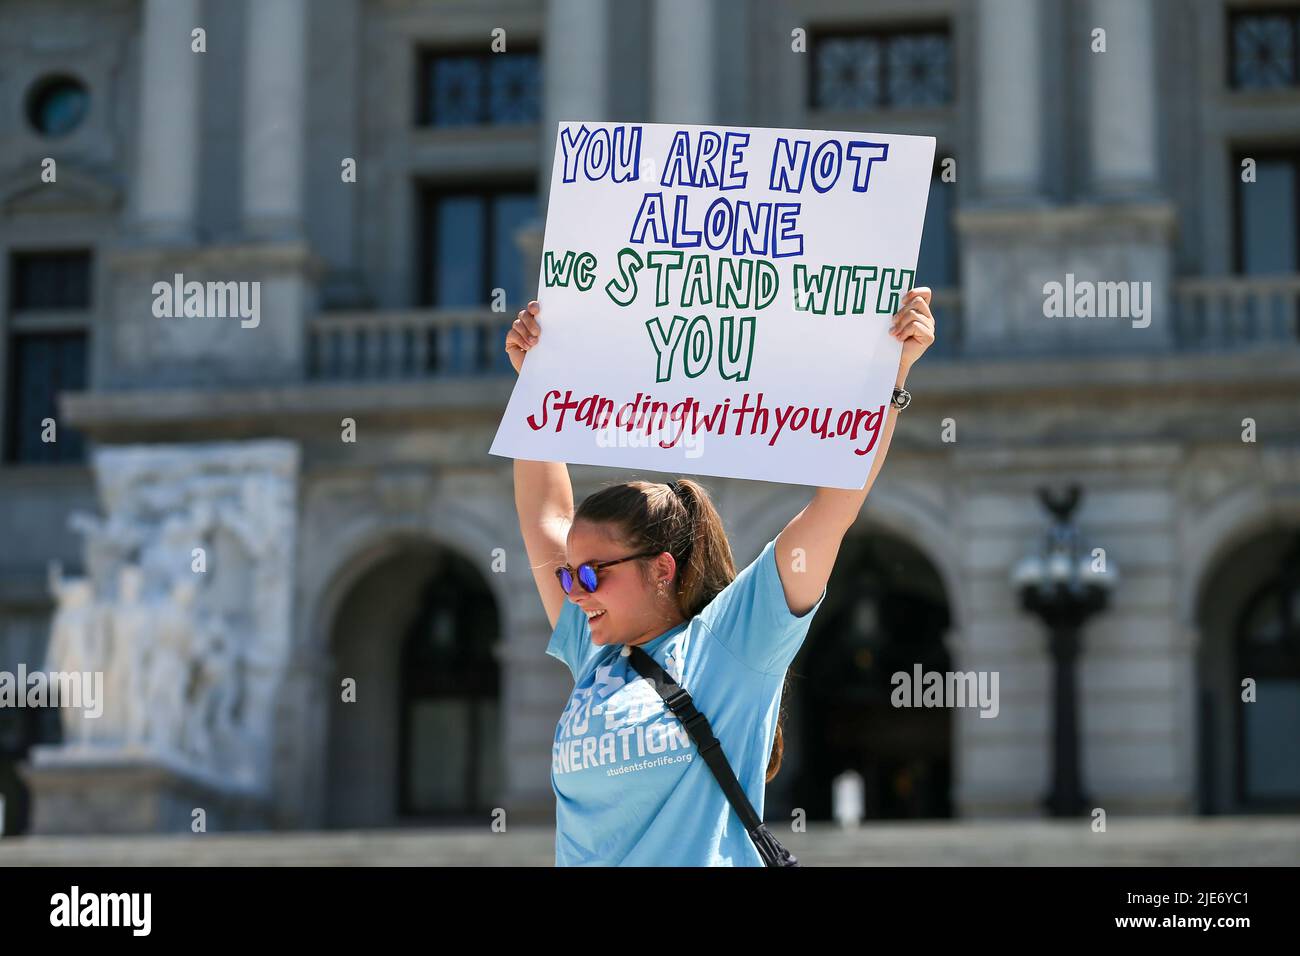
x,y
638,581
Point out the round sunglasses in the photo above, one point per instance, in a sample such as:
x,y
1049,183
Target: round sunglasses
x,y
587,571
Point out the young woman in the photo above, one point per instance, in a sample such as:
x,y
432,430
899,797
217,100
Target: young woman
x,y
648,564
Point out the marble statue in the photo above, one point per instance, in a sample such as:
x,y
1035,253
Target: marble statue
x,y
192,658
78,644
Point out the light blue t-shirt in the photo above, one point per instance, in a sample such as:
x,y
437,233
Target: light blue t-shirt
x,y
630,786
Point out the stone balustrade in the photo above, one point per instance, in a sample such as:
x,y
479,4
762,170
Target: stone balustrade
x,y
399,344
1210,314
1229,312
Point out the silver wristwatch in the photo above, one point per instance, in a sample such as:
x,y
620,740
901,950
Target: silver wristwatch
x,y
902,398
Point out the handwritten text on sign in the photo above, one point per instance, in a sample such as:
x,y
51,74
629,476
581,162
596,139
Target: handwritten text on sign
x,y
716,300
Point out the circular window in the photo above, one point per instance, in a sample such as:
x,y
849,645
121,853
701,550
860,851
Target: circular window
x,y
57,105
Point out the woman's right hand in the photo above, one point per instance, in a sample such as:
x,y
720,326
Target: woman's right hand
x,y
523,335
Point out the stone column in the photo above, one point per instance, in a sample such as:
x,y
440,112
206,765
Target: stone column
x,y
683,61
1122,116
1010,122
275,106
1019,250
575,86
576,73
167,164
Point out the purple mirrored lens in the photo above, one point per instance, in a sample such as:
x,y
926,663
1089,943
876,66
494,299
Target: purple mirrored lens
x,y
587,574
566,580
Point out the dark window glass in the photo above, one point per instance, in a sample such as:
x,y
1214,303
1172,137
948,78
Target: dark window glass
x,y
480,89
1264,48
514,84
459,261
509,212
848,73
1268,210
918,70
472,246
450,696
50,280
457,91
1268,651
874,70
40,366
936,265
57,105
469,252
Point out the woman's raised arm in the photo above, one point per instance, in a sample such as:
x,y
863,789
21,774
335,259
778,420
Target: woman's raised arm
x,y
544,500
543,492
818,530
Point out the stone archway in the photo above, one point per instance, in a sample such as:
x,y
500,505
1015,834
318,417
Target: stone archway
x,y
348,528
1247,614
416,628
886,611
892,518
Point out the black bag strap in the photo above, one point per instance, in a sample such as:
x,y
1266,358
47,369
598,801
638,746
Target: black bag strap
x,y
697,726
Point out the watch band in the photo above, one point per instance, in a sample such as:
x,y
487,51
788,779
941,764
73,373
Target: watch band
x,y
901,398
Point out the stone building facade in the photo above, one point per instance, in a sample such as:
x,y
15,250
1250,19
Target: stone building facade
x,y
330,460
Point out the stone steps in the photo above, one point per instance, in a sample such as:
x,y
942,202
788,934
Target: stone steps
x,y
1217,841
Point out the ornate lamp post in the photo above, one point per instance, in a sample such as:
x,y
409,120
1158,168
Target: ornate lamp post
x,y
1064,586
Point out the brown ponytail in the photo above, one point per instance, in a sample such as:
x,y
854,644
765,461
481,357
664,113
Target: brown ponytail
x,y
650,516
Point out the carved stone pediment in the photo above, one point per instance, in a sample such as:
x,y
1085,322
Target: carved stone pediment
x,y
77,189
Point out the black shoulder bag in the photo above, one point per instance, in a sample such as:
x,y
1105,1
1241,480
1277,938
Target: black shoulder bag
x,y
697,725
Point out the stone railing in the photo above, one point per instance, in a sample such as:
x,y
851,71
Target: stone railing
x,y
1212,314
1227,312
399,344
423,343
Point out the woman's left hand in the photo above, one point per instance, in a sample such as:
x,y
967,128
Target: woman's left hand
x,y
913,324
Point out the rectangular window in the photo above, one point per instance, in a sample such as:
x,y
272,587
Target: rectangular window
x,y
469,247
1264,48
40,366
458,263
936,266
468,252
44,359
1268,214
879,69
479,89
50,280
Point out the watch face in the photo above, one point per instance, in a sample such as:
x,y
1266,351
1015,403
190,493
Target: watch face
x,y
902,399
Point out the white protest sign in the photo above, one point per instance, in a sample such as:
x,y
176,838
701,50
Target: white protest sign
x,y
716,300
